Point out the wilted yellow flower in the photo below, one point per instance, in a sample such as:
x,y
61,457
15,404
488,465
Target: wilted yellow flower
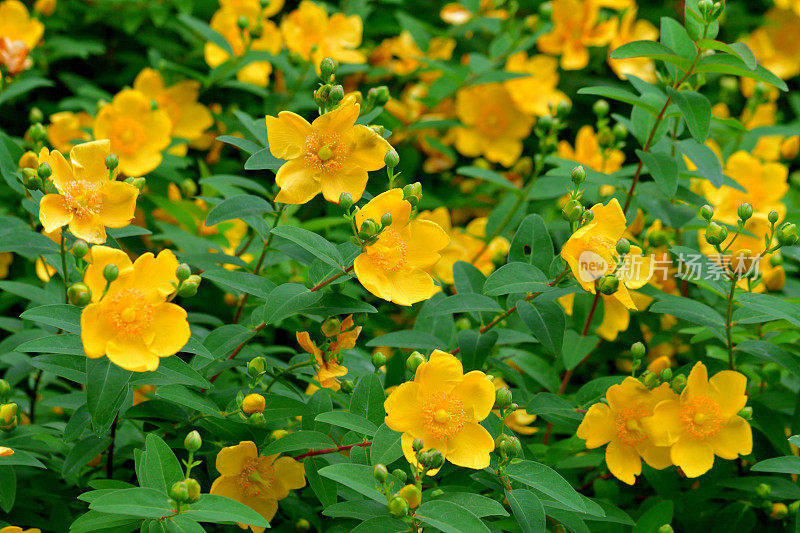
x,y
466,244
621,424
87,200
588,153
704,422
332,155
444,407
591,254
310,32
576,26
189,118
132,323
394,266
538,92
67,128
328,367
16,24
261,34
257,481
630,30
494,127
138,133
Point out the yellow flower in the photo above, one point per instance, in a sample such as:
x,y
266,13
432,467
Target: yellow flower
x,y
328,369
17,25
538,92
15,529
576,27
133,324
137,132
402,55
67,127
630,30
494,127
87,200
189,118
444,407
588,153
457,14
394,266
621,423
776,45
704,421
261,34
765,185
143,393
332,155
6,258
465,245
45,7
310,32
257,481
591,254
6,452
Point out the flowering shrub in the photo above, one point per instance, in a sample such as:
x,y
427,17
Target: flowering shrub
x,y
399,266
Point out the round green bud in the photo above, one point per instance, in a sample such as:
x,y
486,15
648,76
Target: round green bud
x,y
378,359
779,511
578,175
776,259
347,386
360,319
503,397
572,211
380,473
31,179
37,132
110,272
545,122
392,158
327,68
35,115
601,108
400,474
746,413
588,216
763,490
345,200
773,217
8,413
787,235
432,458
417,445
179,492
386,220
729,84
707,212
745,211
620,131
563,108
243,22
79,294
606,138
398,507
188,188
331,326
189,287
678,383
368,229
414,360
193,441
716,233
608,284
112,161
380,95
194,489
257,419
5,388
336,94
657,238
705,7
623,246
302,525
638,350
256,366
80,248
650,380
44,171
666,528
183,272
666,374
546,10
511,447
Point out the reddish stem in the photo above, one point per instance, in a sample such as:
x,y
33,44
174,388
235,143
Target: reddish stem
x,y
331,450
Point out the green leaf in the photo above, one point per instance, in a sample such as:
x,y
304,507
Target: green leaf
x,y
417,340
325,489
106,388
29,292
478,505
652,50
213,508
495,178
68,343
450,517
621,95
160,467
704,158
141,502
367,399
547,322
655,517
71,367
241,281
772,306
22,86
286,300
767,351
779,465
579,347
359,478
515,278
182,396
61,316
240,206
740,50
95,521
263,160
385,448
463,303
299,440
350,421
358,509
692,311
725,64
8,488
243,144
314,244
475,347
532,244
664,170
694,23
336,303
82,452
284,407
695,110
527,510
384,524
205,31
548,481
21,458
182,524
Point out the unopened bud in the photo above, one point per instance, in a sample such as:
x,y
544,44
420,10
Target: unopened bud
x,y
44,171
257,419
620,131
80,248
665,374
243,22
414,360
601,108
256,366
345,200
336,94
5,388
678,383
790,147
112,161
253,403
572,211
179,492
193,442
563,108
378,359
745,211
638,350
194,489
302,525
417,445
392,158
431,459
398,507
578,175
779,511
37,132
588,216
746,413
183,272
608,284
503,397
380,473
763,490
79,294
787,235
380,95
400,474
327,68
347,386
716,233
412,495
35,115
511,447
666,528
545,122
650,380
368,229
189,287
773,217
8,413
707,212
623,246
331,327
606,138
110,272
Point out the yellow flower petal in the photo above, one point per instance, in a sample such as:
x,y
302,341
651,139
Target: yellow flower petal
x,y
131,354
411,286
442,372
390,202
99,257
477,393
623,461
156,273
727,388
424,240
657,457
403,408
89,160
298,183
471,447
371,277
232,460
734,438
119,203
287,135
597,427
290,472
95,332
89,228
694,457
53,212
351,179
368,148
664,427
340,119
171,330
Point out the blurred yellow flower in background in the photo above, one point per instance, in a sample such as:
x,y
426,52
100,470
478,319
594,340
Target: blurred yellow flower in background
x,y
576,26
588,153
16,24
67,128
630,30
314,35
536,93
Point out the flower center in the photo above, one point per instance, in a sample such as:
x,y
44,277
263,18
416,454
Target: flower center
x,y
252,481
129,312
443,415
492,121
127,135
700,418
324,152
83,198
390,252
626,424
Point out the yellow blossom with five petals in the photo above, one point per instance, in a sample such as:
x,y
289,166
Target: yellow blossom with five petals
x,y
16,24
576,26
314,35
538,92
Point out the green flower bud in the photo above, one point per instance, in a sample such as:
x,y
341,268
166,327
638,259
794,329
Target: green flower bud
x,y
511,447
194,489
189,287
400,474
608,284
80,248
563,108
331,326
606,138
368,229
588,216
776,259
360,319
79,294
392,158
417,445
716,233
432,458
110,272
8,413
620,131
773,217
398,507
779,511
44,171
179,492
678,383
623,246
707,212
578,175
386,220
746,413
572,211
638,350
327,68
5,388
666,528
650,380
37,132
657,238
31,179
345,200
188,188
243,22
336,94
379,95
139,183
503,397
321,95
257,419
378,359
763,490
112,161
380,473
787,235
193,441
414,360
256,366
601,108
745,211
183,272
666,374
347,386
545,123
35,115
302,525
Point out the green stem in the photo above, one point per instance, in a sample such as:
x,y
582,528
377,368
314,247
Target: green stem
x,y
729,323
64,274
